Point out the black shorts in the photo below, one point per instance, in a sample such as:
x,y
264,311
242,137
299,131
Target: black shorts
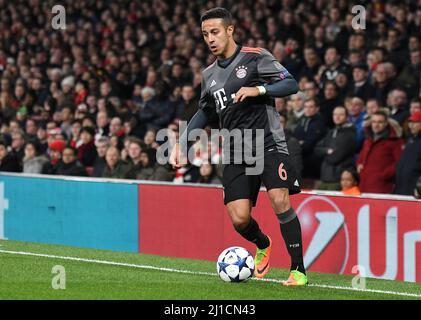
x,y
278,172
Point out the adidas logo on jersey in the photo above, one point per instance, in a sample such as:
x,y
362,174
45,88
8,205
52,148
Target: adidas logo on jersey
x,y
296,183
213,83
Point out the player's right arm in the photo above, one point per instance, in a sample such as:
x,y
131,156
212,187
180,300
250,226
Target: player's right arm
x,y
198,121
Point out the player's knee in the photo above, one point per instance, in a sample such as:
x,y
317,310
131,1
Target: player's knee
x,y
281,203
240,217
240,223
239,220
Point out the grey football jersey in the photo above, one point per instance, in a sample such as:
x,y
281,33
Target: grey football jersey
x,y
249,67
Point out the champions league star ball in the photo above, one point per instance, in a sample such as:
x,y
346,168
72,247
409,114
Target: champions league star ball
x,y
235,264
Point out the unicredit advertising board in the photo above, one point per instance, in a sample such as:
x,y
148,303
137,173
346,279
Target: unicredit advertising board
x,y
383,236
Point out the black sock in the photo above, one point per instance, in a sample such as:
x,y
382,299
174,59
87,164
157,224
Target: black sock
x,y
291,232
253,234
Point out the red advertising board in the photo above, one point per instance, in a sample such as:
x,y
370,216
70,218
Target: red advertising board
x,y
383,236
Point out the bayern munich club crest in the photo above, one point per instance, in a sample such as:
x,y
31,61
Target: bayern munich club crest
x,y
241,72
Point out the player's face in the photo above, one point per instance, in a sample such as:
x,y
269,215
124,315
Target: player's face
x,y
216,35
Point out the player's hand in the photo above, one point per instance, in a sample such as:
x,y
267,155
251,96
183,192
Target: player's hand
x,y
245,92
360,167
177,158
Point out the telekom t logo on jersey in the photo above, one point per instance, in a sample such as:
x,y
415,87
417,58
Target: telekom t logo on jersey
x,y
220,98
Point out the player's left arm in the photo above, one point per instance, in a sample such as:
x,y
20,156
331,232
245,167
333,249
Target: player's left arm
x,y
278,81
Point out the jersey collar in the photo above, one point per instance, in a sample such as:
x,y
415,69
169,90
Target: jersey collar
x,y
226,62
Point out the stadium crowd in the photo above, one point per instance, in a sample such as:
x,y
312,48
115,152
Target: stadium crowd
x,y
90,99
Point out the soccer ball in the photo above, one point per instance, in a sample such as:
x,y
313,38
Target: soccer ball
x,y
235,264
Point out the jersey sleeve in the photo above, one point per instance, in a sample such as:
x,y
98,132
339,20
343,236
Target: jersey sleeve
x,y
270,69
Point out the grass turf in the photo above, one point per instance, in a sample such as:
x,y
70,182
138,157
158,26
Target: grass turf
x,y
30,277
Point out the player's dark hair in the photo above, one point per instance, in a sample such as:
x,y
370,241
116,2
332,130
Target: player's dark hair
x,y
218,13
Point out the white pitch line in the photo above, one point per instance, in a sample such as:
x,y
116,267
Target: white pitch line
x,y
149,267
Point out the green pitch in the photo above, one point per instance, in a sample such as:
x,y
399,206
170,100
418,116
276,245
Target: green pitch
x,y
96,274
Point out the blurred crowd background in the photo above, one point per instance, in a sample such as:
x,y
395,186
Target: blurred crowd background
x,y
89,100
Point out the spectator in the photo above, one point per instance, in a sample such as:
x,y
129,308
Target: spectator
x,y
42,138
349,182
150,139
208,174
372,107
333,65
397,53
101,145
415,105
135,148
102,122
337,150
8,163
361,86
18,148
75,141
69,165
86,152
409,77
384,81
312,64
159,111
377,160
356,115
289,27
33,162
151,170
342,82
31,129
297,110
309,131
55,148
311,90
409,166
115,167
329,102
189,103
117,129
399,108
66,121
